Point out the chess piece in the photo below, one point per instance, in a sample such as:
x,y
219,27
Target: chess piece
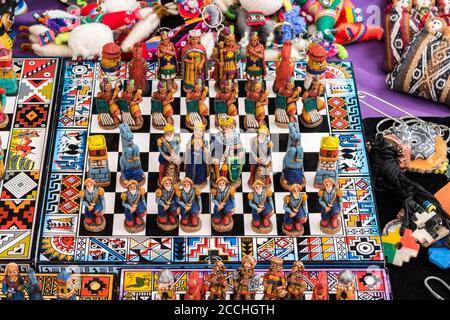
x,y
8,76
193,60
246,282
98,161
197,157
255,106
107,107
134,203
93,199
295,211
110,61
13,285
2,161
4,119
218,284
190,202
293,172
286,104
312,105
137,69
296,285
225,102
166,289
169,155
65,289
328,157
255,61
284,67
260,200
274,281
168,209
167,62
162,111
320,291
345,288
224,205
129,106
260,157
330,200
130,161
197,111
226,56
317,64
34,287
196,289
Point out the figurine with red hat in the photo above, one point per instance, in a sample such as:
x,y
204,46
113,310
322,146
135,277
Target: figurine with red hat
x,y
261,202
295,211
330,199
168,209
224,205
317,63
133,200
190,202
93,198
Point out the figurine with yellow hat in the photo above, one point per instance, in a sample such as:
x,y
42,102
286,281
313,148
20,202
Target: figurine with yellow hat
x,y
286,103
197,157
261,202
295,211
190,202
162,110
93,199
274,281
260,157
169,154
330,200
168,209
225,101
197,110
312,105
129,102
167,61
224,205
13,285
255,60
226,56
133,200
193,60
256,104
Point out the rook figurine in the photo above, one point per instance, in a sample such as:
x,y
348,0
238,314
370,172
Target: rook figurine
x,y
224,205
169,155
295,214
130,160
260,200
162,111
133,200
98,161
13,285
190,201
293,160
65,288
274,281
296,285
197,158
218,284
330,199
93,198
328,157
167,205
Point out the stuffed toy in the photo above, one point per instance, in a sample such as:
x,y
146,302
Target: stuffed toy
x,y
347,33
424,68
421,12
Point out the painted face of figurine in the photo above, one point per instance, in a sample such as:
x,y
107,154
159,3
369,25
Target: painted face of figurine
x,y
296,193
218,269
132,189
12,273
297,271
258,88
90,187
435,25
130,89
276,267
187,187
227,130
254,41
423,3
198,89
404,4
108,87
194,41
328,186
162,90
227,89
167,185
258,189
198,133
290,86
169,136
222,185
262,137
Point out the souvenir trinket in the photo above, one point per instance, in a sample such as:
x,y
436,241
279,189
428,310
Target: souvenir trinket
x,y
328,157
317,64
345,289
260,157
93,199
34,287
225,101
274,282
226,56
169,155
167,62
197,157
98,161
13,285
218,283
162,111
190,202
330,200
65,288
312,105
296,284
137,69
246,281
295,211
224,205
193,61
293,172
197,111
130,162
320,291
286,104
135,205
256,103
196,289
168,209
260,200
166,289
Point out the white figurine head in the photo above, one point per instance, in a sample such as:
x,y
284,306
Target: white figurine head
x,y
266,7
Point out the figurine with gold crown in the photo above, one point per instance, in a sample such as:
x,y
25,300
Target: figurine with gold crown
x,y
260,157
223,199
169,155
193,61
256,104
197,110
190,202
167,62
261,202
197,157
168,208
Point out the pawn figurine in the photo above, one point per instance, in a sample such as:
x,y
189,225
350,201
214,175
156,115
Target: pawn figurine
x,y
13,286
169,155
260,200
296,285
4,119
218,284
107,106
93,199
224,205
320,291
189,199
130,160
66,289
34,287
255,106
225,102
162,110
133,200
293,172
330,200
312,105
345,289
129,102
274,281
196,289
197,111
166,289
295,215
246,281
197,157
286,104
168,209
260,157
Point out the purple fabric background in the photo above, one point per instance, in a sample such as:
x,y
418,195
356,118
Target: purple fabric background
x,y
367,58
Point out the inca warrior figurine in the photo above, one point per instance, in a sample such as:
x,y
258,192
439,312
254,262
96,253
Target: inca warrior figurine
x,y
317,64
162,111
330,200
224,205
293,160
286,104
320,291
260,200
296,285
166,289
225,102
107,106
129,102
260,157
197,111
130,160
218,283
133,200
312,105
284,67
255,61
190,202
193,61
4,119
65,290
295,211
345,288
226,56
168,209
328,158
274,281
93,198
255,106
137,69
246,282
227,153
196,289
169,155
13,286
167,61
197,157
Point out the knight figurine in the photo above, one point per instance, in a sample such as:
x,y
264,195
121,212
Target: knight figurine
x,y
162,110
167,62
293,172
295,211
218,284
130,160
135,205
330,200
197,157
197,110
296,284
260,157
223,199
286,104
168,209
274,281
190,202
256,104
93,199
169,155
261,202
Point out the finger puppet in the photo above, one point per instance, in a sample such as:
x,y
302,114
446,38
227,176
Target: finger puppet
x,y
13,286
8,80
169,154
293,172
330,200
312,105
260,157
65,288
317,64
162,111
193,61
274,282
296,284
190,8
107,106
130,161
34,287
255,67
168,209
246,282
284,67
196,288
137,70
93,199
190,202
197,111
286,103
167,62
218,283
320,291
256,104
4,118
328,157
166,288
295,211
135,205
225,101
260,200
224,205
226,56
345,288
197,157
292,24
7,15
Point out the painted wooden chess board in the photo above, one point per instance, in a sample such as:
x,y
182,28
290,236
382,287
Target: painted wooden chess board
x,y
63,238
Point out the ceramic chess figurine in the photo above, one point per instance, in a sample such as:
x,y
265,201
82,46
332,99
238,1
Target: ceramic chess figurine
x,y
129,102
330,200
135,205
193,61
226,56
65,288
197,111
255,61
34,287
162,111
218,283
167,61
168,209
110,60
2,161
197,157
13,285
4,119
317,64
224,205
225,101
296,284
286,104
8,78
261,202
312,105
130,160
328,158
98,160
190,202
169,155
196,289
293,172
137,69
274,281
107,107
166,290
320,291
256,103
260,157
345,288
246,282
295,211
284,67
93,199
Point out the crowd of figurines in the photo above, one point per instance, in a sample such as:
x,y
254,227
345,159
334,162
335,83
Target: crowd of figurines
x,y
178,201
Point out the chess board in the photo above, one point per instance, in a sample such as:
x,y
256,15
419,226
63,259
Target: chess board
x,y
63,238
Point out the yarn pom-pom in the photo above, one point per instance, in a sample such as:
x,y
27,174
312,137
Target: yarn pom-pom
x,y
295,20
